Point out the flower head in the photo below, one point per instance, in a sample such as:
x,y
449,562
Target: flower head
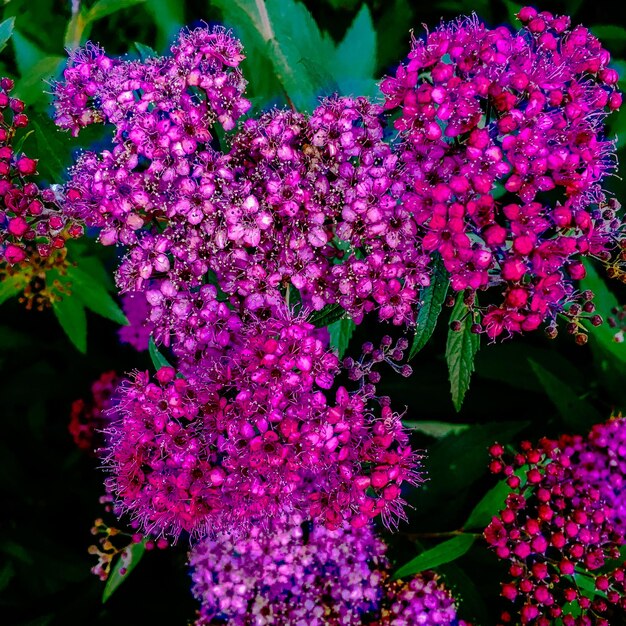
x,y
504,150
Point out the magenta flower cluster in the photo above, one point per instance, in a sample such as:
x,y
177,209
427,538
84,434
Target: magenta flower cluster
x,y
217,240
250,433
563,526
235,244
504,149
296,573
30,221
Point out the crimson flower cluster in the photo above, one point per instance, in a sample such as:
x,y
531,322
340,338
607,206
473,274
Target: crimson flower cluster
x,y
89,418
562,527
30,222
251,432
298,573
504,150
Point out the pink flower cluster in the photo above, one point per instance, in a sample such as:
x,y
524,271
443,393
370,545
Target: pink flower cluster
x,y
251,432
296,574
504,149
30,223
562,527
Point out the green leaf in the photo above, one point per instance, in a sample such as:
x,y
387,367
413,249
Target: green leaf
x,y
605,301
300,52
284,32
329,314
128,560
354,63
145,52
438,430
32,86
104,8
458,460
27,54
445,552
518,373
609,31
158,360
50,148
11,286
393,32
71,315
77,29
491,503
577,413
461,349
432,300
244,17
94,295
513,8
340,334
168,16
6,30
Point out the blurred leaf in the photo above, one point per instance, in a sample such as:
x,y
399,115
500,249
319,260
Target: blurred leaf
x,y
340,334
127,561
287,34
16,550
610,33
6,30
461,458
27,54
329,314
12,339
32,86
93,266
104,8
605,301
513,8
71,315
158,360
462,585
354,63
168,16
445,552
6,574
461,349
94,295
77,29
435,429
10,286
243,17
577,413
491,503
518,373
393,33
432,300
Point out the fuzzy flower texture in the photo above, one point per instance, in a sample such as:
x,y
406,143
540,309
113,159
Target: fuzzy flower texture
x,y
504,150
303,575
563,526
236,242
